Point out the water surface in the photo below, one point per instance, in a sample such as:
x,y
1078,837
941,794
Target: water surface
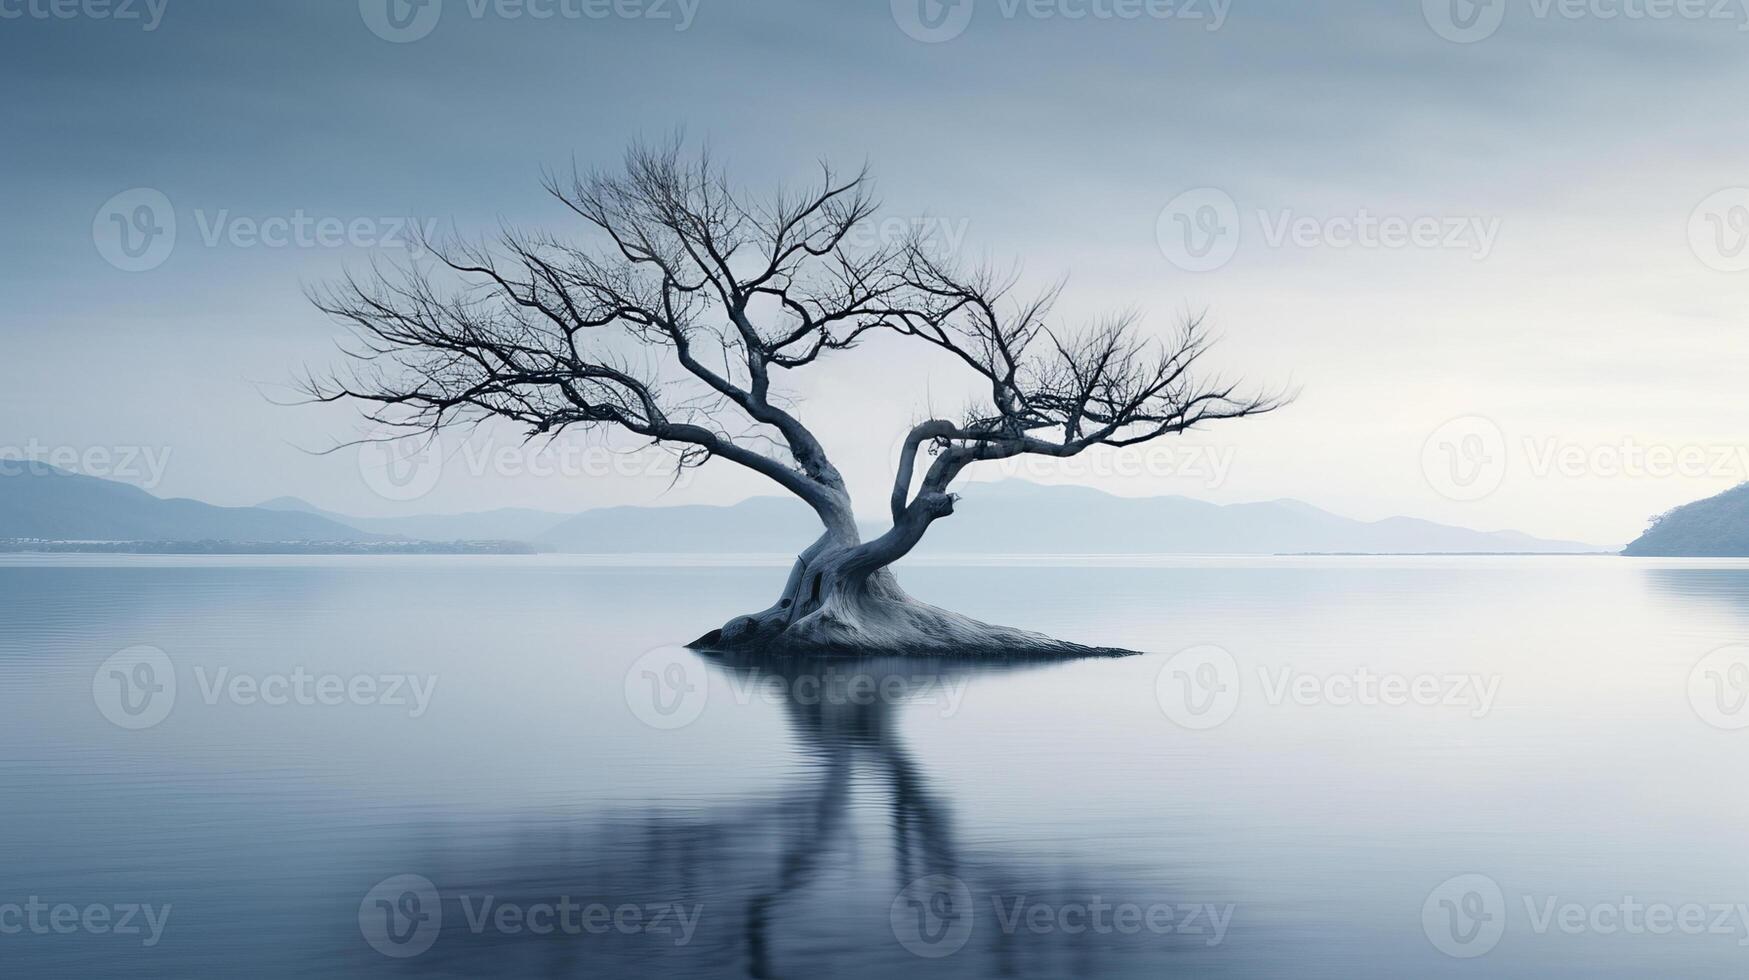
x,y
1543,746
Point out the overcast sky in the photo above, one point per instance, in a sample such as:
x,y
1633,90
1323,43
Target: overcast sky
x,y
1500,248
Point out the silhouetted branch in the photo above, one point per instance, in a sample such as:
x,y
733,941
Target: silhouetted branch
x,y
671,328
1051,392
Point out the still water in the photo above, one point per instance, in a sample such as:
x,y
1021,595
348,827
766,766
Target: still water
x,y
1329,767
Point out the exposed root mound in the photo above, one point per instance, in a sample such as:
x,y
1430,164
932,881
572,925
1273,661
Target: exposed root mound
x,y
873,625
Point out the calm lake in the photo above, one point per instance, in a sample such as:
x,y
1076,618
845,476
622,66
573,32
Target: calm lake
x,y
1325,767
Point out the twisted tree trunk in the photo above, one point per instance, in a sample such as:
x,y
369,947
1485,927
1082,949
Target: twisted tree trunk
x,y
728,296
842,598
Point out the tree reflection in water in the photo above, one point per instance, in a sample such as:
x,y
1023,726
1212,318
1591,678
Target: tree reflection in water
x,y
786,885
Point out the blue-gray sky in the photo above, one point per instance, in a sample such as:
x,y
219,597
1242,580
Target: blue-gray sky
x,y
1560,186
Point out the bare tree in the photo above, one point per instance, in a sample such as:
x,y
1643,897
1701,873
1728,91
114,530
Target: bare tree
x,y
695,302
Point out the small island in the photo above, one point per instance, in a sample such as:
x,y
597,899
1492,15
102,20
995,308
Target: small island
x,y
1717,527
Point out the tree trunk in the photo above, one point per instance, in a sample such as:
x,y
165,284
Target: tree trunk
x,y
842,598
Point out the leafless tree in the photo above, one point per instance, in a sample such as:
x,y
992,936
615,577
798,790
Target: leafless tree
x,y
678,325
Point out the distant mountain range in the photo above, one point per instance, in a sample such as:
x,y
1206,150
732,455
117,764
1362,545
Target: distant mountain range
x,y
40,501
1717,527
1010,518
507,524
754,526
1015,517
1057,520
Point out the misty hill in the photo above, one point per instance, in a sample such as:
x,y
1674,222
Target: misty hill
x,y
1012,517
1717,527
507,524
41,501
1015,517
755,526
1019,518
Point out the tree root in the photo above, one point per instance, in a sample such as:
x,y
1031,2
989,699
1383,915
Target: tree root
x,y
862,625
